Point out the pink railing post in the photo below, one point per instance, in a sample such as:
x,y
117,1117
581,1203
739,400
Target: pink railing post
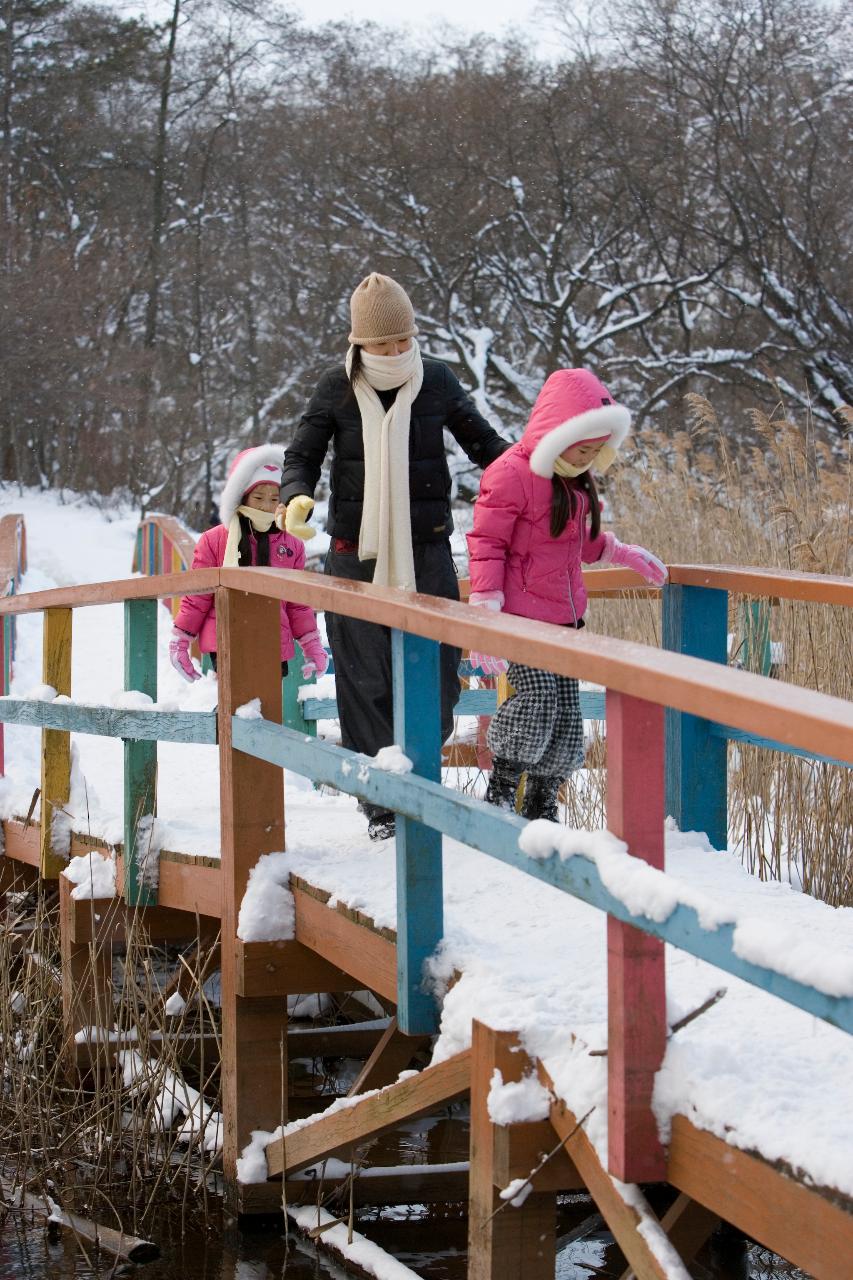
x,y
635,962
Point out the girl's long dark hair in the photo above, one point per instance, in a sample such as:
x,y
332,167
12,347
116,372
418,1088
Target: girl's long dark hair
x,y
563,499
244,546
355,371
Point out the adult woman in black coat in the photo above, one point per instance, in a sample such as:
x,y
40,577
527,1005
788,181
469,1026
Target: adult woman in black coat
x,y
384,412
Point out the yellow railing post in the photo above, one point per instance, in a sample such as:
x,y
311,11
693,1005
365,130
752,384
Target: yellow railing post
x,y
55,748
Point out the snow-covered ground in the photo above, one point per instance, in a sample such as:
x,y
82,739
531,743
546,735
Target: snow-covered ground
x,y
751,1069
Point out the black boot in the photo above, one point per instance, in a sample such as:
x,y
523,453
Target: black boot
x,y
503,784
381,823
540,797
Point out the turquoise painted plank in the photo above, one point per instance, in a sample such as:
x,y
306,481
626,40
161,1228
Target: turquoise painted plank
x,y
695,622
112,722
473,702
496,833
740,735
140,756
420,893
292,710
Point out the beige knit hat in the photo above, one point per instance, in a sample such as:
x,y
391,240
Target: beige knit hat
x,y
381,311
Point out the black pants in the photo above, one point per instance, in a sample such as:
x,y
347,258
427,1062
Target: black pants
x,y
362,651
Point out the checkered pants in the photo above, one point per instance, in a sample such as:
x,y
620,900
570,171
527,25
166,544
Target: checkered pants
x,y
540,727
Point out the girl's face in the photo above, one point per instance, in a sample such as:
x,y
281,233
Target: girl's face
x,y
264,497
395,348
581,455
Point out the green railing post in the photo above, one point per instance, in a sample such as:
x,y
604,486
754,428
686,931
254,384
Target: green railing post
x,y
695,622
420,912
140,758
291,708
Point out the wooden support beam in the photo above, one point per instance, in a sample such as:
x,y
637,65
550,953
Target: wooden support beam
x,y
519,1148
689,1225
504,1242
16,877
392,1054
636,998
406,1184
254,1030
349,1040
432,1088
357,951
55,745
86,972
286,968
623,1219
800,1223
102,917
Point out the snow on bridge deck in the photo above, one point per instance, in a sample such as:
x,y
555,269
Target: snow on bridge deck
x,y
756,1072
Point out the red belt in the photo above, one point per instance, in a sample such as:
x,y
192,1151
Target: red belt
x,y
343,544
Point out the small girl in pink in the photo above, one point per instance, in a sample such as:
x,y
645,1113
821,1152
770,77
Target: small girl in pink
x,y
537,517
248,535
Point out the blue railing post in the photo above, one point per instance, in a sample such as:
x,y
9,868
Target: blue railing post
x,y
140,757
417,730
695,622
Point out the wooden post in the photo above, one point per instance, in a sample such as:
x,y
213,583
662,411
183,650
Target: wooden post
x,y
695,621
86,968
636,1003
55,743
417,730
291,707
140,758
504,1242
254,1029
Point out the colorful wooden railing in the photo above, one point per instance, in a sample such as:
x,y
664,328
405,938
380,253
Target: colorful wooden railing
x,y
659,705
13,565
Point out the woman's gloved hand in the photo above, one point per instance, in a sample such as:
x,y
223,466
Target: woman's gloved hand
x,y
179,655
493,601
629,556
295,516
316,658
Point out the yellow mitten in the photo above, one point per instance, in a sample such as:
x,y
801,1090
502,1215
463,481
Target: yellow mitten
x,y
298,511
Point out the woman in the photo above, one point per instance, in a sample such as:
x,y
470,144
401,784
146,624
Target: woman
x,y
384,412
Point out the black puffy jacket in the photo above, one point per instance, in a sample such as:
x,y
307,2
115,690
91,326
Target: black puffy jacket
x,y
333,416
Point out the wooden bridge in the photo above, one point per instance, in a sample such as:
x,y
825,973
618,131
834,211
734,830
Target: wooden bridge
x,y
669,715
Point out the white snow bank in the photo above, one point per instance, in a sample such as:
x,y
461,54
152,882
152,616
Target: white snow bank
x,y
93,874
517,1101
267,910
372,1260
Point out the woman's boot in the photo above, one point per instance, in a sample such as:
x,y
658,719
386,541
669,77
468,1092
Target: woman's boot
x,y
540,797
503,783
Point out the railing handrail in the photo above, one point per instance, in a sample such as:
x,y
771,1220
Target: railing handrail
x,y
177,533
752,580
13,550
787,713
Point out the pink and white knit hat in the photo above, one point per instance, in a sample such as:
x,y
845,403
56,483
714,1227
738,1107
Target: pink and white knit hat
x,y
261,465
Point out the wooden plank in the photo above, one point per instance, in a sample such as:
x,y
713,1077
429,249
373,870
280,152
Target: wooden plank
x,y
86,973
195,581
190,887
695,622
359,952
519,1148
112,722
770,744
622,1218
55,745
140,758
636,981
798,1222
785,712
346,1040
371,1116
420,906
160,924
405,1184
23,843
254,1030
392,1054
15,876
505,1242
286,968
785,584
496,833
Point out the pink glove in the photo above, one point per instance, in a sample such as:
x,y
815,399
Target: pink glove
x,y
179,655
316,658
492,600
630,556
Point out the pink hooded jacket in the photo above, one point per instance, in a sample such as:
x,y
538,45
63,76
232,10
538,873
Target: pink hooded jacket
x,y
511,549
197,614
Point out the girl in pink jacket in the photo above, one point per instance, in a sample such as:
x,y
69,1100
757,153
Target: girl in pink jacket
x,y
248,535
537,518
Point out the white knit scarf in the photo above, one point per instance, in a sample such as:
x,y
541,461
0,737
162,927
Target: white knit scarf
x,y
386,522
260,520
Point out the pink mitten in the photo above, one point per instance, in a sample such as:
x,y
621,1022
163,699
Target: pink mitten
x,y
316,658
488,665
630,556
179,655
493,601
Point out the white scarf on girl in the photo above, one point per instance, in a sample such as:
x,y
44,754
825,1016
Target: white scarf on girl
x,y
260,520
386,521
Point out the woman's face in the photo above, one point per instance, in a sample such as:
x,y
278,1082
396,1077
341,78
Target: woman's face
x,y
395,348
581,455
264,497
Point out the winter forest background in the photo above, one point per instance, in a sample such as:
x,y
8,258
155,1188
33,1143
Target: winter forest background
x,y
187,207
